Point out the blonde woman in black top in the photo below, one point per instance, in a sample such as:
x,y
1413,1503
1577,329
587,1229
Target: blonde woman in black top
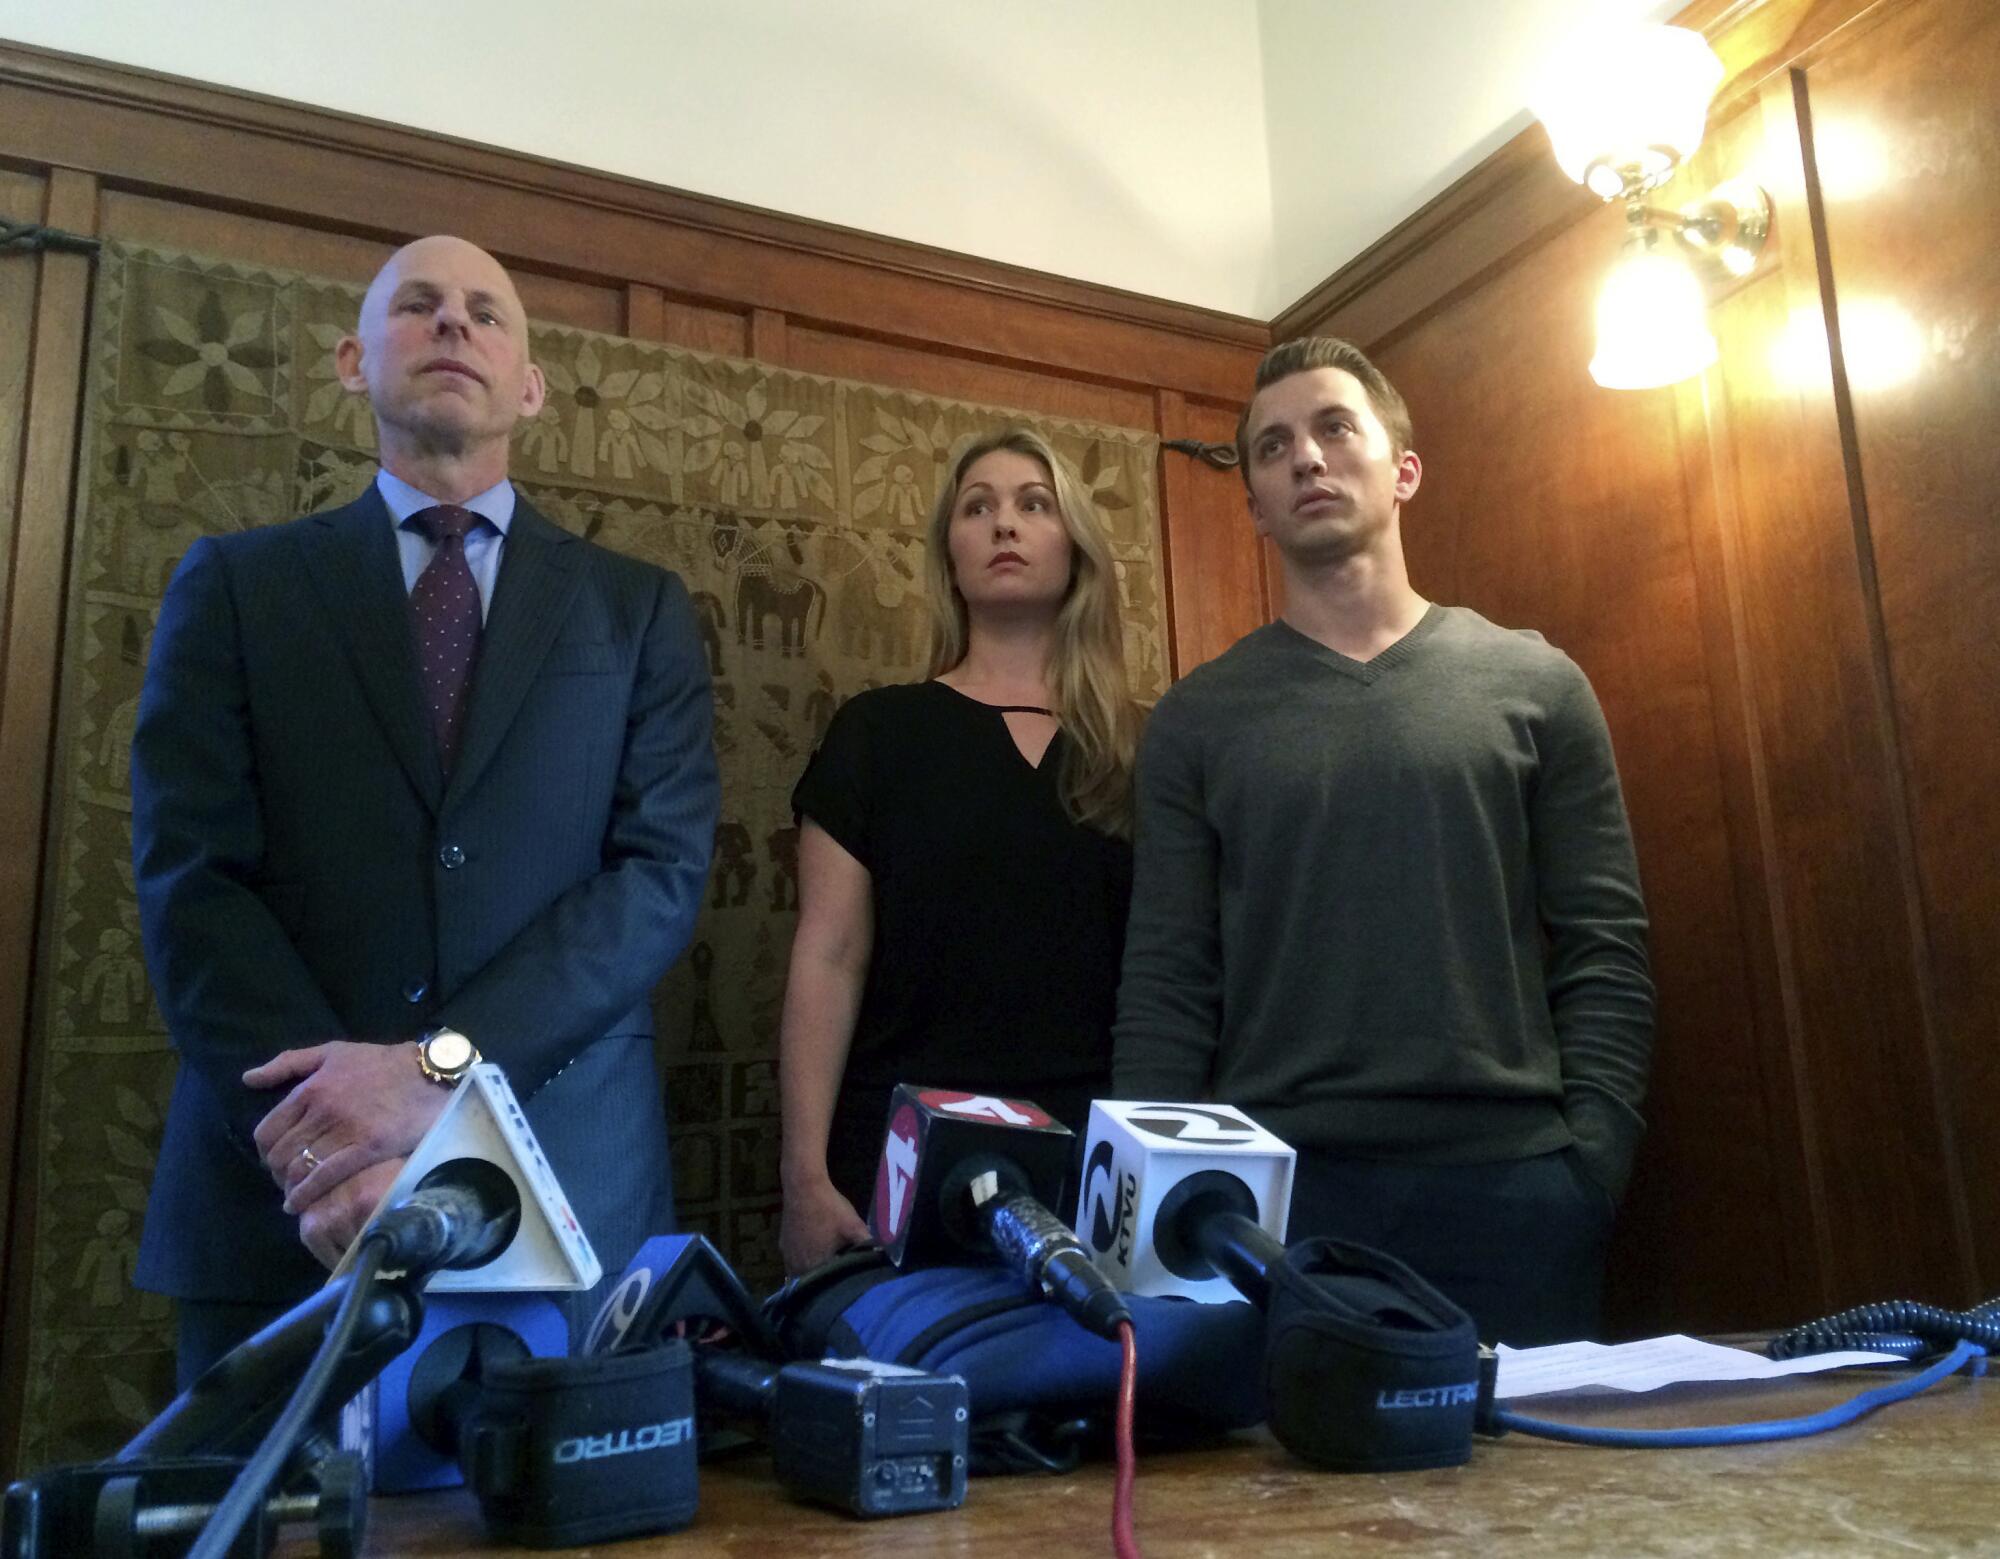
x,y
965,863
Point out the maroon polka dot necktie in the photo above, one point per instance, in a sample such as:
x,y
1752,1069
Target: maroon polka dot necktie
x,y
444,616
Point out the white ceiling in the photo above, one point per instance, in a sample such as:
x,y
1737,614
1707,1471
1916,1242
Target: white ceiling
x,y
1225,153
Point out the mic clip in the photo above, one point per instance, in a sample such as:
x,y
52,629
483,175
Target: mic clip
x,y
107,1510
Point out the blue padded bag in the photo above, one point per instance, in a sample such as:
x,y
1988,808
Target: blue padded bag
x,y
1200,1366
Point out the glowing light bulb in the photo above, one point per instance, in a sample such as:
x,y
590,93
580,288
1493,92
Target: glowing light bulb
x,y
1652,322
1625,103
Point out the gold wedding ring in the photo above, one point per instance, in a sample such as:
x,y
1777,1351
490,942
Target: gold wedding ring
x,y
311,1158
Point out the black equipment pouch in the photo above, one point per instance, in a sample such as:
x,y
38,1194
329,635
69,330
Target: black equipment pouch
x,y
1367,1368
563,1452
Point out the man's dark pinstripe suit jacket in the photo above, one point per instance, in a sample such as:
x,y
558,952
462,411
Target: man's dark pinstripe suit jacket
x,y
305,870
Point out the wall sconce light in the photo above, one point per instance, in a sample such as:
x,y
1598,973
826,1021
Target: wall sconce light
x,y
1652,325
1624,107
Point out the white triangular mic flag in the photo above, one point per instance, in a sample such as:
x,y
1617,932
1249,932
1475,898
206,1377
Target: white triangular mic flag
x,y
482,1119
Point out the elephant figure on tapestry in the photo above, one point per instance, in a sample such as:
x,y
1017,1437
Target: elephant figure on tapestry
x,y
788,597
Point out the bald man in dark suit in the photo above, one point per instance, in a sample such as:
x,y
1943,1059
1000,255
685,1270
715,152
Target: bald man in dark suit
x,y
423,766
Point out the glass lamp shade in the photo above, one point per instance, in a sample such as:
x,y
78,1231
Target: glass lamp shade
x,y
1625,105
1652,325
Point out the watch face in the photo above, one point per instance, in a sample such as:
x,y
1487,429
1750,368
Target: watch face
x,y
448,1050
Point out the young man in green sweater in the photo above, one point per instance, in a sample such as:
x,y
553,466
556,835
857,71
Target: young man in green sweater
x,y
1385,897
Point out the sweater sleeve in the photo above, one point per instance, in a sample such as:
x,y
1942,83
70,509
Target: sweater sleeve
x,y
1599,989
1170,996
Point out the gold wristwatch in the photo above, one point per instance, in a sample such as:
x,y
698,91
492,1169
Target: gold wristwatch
x,y
445,1056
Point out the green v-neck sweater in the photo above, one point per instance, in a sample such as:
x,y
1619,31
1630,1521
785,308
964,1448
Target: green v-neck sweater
x,y
1391,908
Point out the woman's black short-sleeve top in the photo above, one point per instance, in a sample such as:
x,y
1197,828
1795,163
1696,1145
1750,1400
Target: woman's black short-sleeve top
x,y
999,922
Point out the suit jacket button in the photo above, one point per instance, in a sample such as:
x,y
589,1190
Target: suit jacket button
x,y
451,857
415,992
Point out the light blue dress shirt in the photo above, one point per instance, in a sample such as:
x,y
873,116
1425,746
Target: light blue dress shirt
x,y
483,543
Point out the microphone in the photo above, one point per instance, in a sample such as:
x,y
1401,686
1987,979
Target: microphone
x,y
482,1228
968,1174
463,1214
393,1423
1184,1199
461,1230
231,1406
675,1282
1367,1368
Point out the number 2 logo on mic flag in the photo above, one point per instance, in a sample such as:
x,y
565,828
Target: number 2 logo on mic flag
x,y
619,1312
896,1179
1189,1123
1108,1197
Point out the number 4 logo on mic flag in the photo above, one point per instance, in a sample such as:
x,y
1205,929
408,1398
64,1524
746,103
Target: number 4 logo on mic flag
x,y
895,1181
985,1107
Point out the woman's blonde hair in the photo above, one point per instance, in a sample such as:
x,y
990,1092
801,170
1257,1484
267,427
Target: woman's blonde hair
x,y
1093,696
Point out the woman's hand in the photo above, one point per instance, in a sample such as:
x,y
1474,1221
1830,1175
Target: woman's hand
x,y
817,1224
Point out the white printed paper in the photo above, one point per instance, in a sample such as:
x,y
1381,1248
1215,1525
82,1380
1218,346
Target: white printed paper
x,y
1649,1365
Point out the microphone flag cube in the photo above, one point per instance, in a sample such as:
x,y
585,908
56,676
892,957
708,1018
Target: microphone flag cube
x,y
937,1140
675,1278
1138,1154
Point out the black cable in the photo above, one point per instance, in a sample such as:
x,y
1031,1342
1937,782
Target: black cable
x,y
33,238
1220,456
1901,1327
246,1494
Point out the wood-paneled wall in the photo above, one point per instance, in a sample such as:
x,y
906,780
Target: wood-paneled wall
x,y
1783,579
102,151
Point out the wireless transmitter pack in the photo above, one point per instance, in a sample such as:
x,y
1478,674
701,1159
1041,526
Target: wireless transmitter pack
x,y
869,1438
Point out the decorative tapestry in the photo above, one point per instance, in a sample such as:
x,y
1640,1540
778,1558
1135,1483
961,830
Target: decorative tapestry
x,y
792,505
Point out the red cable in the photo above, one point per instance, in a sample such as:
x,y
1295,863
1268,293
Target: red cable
x,y
1124,1541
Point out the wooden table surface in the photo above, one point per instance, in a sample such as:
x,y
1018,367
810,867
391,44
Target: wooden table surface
x,y
1915,1478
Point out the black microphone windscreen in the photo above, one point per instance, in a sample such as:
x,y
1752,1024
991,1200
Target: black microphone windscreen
x,y
462,1214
